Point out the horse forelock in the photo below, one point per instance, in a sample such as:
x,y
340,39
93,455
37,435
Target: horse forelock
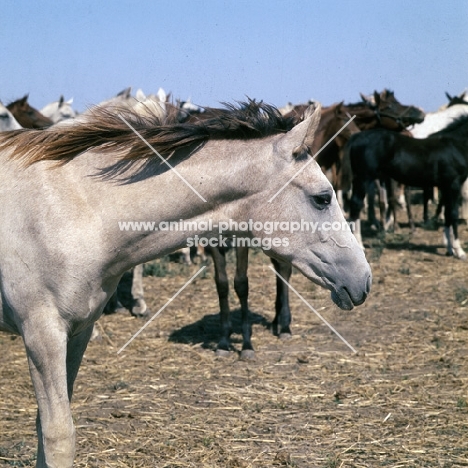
x,y
108,130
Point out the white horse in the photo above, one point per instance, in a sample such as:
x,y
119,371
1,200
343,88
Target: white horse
x,y
64,191
60,110
7,120
436,121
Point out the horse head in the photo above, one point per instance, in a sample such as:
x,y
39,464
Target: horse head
x,y
59,110
453,100
27,116
329,256
394,115
7,121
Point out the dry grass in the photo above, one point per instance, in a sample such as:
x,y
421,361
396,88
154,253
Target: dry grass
x,y
168,401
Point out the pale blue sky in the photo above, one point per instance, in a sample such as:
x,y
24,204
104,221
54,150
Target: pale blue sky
x,y
224,50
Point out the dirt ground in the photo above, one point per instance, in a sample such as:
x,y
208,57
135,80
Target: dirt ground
x,y
169,401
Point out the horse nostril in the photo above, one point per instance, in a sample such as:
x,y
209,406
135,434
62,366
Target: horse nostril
x,y
368,284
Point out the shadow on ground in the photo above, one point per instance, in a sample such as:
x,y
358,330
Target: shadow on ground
x,y
207,331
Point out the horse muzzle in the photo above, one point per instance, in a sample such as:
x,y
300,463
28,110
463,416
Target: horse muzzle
x,y
346,298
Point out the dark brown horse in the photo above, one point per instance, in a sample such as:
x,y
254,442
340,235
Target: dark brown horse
x,y
440,160
389,112
382,110
282,321
27,116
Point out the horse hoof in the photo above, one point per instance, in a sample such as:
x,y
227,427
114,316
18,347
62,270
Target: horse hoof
x,y
120,310
95,335
139,309
222,352
247,354
285,336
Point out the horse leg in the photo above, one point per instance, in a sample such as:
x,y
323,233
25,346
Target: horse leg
x,y
383,203
114,306
185,253
222,286
139,307
392,205
464,204
407,194
201,253
355,206
371,189
440,206
428,195
53,365
340,199
396,202
282,321
241,286
451,222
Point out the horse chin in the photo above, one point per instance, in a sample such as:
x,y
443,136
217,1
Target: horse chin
x,y
342,299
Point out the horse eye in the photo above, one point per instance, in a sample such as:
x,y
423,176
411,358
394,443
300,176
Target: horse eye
x,y
322,200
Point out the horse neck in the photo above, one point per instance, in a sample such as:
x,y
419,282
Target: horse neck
x,y
326,128
224,177
365,117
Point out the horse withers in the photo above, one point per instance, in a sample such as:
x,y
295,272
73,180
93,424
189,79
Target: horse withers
x,y
64,191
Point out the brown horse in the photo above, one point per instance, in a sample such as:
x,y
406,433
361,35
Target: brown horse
x,y
382,110
331,138
27,116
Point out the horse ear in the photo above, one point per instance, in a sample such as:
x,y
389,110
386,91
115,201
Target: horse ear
x,y
126,93
298,141
364,98
69,102
140,95
61,101
448,96
161,94
24,99
376,98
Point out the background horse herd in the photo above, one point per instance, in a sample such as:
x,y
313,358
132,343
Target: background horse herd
x,y
374,149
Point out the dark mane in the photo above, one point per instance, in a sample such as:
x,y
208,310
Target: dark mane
x,y
357,104
105,129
